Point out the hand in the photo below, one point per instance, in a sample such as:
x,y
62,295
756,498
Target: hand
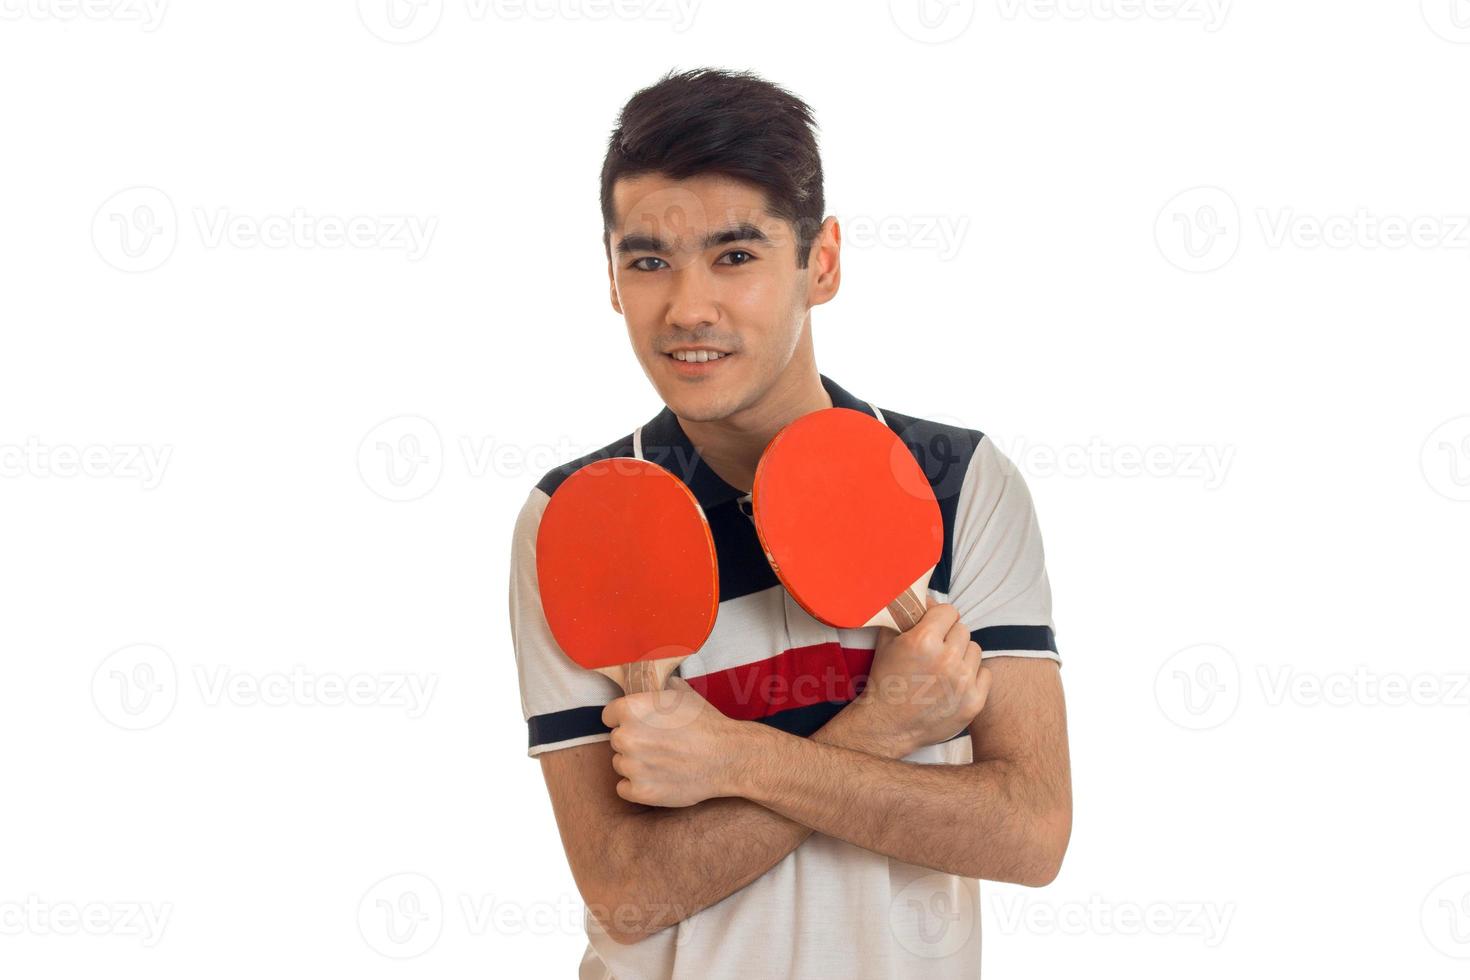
x,y
926,683
672,747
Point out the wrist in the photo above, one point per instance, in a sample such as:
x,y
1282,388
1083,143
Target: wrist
x,y
750,744
860,726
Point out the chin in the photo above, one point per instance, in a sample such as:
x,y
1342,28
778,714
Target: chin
x,y
704,400
699,407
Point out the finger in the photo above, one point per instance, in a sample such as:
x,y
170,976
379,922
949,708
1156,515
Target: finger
x,y
639,706
972,658
612,714
939,618
958,634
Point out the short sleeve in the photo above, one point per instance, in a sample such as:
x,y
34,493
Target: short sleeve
x,y
561,702
998,581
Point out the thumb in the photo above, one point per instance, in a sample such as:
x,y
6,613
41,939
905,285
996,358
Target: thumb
x,y
676,682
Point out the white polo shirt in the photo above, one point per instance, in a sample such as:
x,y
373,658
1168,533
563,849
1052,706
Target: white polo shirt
x,y
828,909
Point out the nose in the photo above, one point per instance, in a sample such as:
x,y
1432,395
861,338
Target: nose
x,y
693,303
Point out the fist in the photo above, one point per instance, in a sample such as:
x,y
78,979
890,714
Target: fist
x,y
926,683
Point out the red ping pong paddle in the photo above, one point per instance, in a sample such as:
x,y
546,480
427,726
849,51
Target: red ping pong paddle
x,y
848,520
627,571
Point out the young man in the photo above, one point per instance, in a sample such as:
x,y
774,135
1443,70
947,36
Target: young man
x,y
786,826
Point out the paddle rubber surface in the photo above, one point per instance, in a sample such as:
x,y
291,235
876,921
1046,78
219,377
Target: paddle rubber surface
x,y
845,514
626,565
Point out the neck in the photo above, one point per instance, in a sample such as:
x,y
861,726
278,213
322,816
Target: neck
x,y
732,446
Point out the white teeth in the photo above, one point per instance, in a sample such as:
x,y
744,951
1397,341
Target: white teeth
x,y
697,356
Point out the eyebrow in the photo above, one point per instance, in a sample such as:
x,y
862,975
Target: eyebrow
x,y
744,232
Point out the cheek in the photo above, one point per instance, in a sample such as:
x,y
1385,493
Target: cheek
x,y
755,294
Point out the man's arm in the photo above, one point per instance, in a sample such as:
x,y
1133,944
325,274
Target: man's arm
x,y
1007,816
922,686
706,851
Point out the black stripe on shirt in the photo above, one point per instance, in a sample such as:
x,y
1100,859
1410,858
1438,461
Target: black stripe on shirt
x,y
562,726
1015,638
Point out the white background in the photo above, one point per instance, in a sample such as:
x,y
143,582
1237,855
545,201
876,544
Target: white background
x,y
1087,230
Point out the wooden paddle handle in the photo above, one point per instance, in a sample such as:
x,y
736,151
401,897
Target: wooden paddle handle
x,y
906,610
642,675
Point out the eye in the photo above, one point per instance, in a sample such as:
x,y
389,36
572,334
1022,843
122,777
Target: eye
x,y
642,268
748,257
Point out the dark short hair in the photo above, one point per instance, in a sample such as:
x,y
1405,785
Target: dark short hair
x,y
734,123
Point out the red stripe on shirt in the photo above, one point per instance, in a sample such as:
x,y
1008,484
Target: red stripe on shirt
x,y
791,679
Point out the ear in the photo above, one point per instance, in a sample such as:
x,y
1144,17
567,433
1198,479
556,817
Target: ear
x,y
825,263
612,287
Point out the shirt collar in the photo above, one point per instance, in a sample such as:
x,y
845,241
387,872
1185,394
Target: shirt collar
x,y
664,442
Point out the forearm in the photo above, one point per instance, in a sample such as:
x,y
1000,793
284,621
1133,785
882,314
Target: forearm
x,y
972,819
713,849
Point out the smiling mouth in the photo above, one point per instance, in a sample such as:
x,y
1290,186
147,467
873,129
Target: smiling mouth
x,y
697,356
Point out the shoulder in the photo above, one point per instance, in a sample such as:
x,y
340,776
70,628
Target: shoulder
x,y
553,477
946,451
981,494
528,520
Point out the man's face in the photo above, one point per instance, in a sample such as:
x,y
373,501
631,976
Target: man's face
x,y
700,264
